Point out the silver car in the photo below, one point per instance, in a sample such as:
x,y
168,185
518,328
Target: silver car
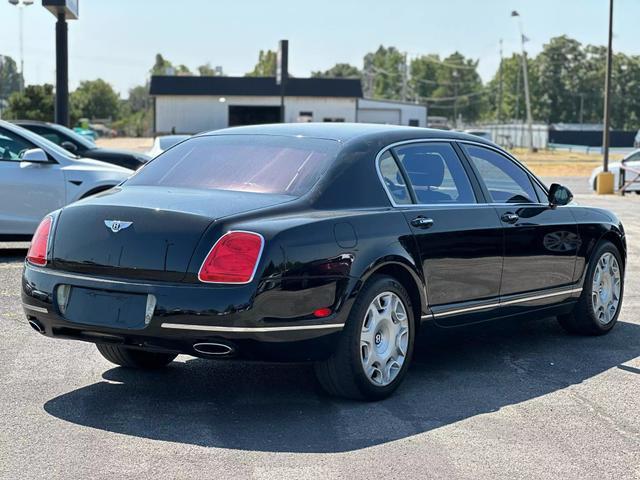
x,y
37,177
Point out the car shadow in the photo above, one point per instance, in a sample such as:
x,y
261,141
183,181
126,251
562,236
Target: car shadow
x,y
456,374
10,254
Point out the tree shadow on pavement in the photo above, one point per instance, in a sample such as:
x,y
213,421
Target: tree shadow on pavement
x,y
456,374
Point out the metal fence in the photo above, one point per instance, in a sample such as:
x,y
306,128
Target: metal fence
x,y
512,135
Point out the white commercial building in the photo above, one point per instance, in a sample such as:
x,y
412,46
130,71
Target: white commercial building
x,y
185,104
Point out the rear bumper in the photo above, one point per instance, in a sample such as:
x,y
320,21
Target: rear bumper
x,y
187,314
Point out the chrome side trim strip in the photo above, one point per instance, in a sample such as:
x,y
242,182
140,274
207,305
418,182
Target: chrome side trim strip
x,y
213,328
506,302
34,308
541,296
467,309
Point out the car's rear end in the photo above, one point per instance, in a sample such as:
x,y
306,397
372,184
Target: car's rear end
x,y
187,256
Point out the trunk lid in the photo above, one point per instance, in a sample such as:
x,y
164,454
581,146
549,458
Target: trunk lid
x,y
157,229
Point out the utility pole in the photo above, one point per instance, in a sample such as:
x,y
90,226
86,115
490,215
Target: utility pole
x,y
21,4
404,77
581,111
517,112
525,77
455,97
604,181
282,74
499,109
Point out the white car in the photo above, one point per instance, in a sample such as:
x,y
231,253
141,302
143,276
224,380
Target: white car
x,y
632,160
37,177
160,144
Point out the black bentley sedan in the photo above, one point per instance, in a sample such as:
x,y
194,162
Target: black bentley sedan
x,y
332,243
82,146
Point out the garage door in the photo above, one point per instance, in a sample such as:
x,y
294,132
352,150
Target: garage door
x,y
374,115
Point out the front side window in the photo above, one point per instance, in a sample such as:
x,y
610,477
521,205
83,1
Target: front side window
x,y
506,181
247,163
47,133
12,146
393,179
436,173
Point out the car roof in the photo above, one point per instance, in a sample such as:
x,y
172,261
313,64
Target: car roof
x,y
345,132
31,122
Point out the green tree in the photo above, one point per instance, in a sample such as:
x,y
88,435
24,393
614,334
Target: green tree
x,y
135,113
95,99
383,73
34,103
162,66
458,89
10,78
424,75
559,69
339,70
266,66
207,70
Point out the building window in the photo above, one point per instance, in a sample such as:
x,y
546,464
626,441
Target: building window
x,y
333,119
305,117
414,122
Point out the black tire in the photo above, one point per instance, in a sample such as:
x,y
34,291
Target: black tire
x,y
583,320
132,358
343,373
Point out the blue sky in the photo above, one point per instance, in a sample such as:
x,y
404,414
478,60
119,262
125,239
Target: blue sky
x,y
117,39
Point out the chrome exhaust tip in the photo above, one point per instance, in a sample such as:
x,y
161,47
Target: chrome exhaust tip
x,y
36,325
213,349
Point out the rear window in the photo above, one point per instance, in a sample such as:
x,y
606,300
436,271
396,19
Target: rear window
x,y
247,163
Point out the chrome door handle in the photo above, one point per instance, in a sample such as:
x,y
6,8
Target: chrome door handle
x,y
510,217
422,222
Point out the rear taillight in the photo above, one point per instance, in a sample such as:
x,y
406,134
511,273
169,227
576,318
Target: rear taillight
x,y
37,253
233,258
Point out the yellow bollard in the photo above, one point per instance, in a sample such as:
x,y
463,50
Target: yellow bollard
x,y
604,183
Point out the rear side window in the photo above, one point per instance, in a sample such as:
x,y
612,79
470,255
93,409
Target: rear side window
x,y
247,163
436,173
506,181
393,179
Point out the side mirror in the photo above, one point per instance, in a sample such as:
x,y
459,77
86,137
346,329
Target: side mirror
x,y
69,146
34,155
559,195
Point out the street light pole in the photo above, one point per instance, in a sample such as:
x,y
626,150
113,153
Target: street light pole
x,y
21,4
525,77
607,93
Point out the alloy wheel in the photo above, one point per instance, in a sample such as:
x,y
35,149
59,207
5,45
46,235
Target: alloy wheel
x,y
605,290
384,338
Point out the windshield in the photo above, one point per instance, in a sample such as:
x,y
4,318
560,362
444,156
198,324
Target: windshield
x,y
248,163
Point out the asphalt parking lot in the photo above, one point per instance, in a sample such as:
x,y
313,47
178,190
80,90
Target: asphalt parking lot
x,y
509,400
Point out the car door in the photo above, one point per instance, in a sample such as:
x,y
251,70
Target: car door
x,y
541,242
459,239
28,191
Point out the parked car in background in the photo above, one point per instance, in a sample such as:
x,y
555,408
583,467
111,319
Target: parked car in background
x,y
37,176
631,160
636,140
162,143
83,146
332,243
